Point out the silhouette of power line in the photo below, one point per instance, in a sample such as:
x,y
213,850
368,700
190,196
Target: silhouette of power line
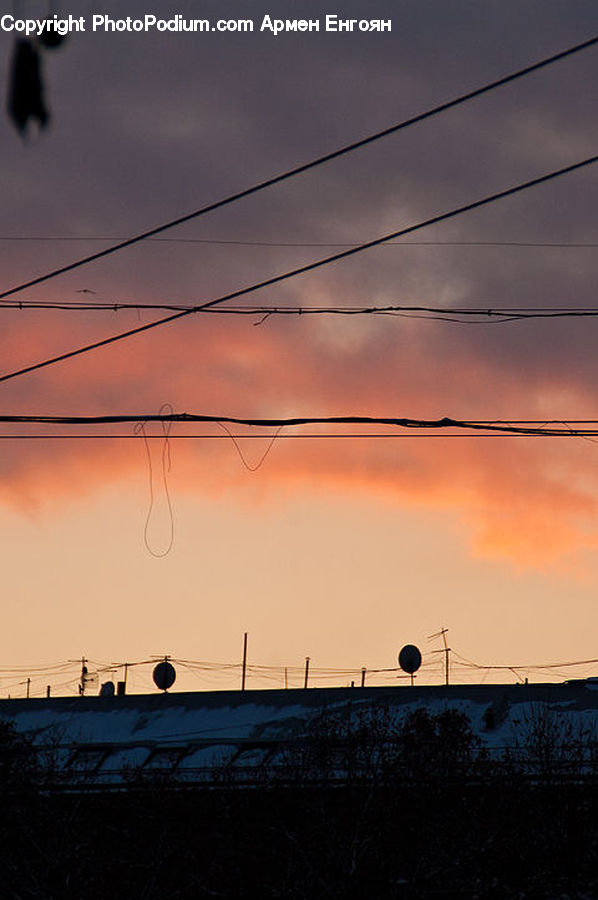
x,y
530,427
290,173
277,279
302,244
461,315
279,437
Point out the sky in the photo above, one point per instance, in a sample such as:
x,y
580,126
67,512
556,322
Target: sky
x,y
337,549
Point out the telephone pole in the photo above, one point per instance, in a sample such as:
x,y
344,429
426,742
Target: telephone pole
x,y
306,671
446,650
244,670
83,676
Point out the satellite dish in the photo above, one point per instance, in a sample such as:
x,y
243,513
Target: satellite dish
x,y
164,675
410,659
107,689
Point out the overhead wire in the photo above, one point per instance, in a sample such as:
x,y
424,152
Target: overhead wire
x,y
528,427
328,157
214,672
310,267
286,437
35,669
166,465
460,315
251,467
305,244
356,248
526,666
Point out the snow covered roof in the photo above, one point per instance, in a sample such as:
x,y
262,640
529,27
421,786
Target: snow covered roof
x,y
193,736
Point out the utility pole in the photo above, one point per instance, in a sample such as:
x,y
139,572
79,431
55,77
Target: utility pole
x,y
244,672
446,650
83,676
286,677
306,670
28,686
363,677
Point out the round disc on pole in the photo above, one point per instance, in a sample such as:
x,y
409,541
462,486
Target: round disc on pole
x,y
164,675
410,658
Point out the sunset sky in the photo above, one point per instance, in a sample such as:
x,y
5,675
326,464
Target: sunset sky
x,y
341,550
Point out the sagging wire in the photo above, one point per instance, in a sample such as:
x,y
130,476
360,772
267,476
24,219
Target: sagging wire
x,y
527,427
582,436
529,667
261,460
213,673
166,467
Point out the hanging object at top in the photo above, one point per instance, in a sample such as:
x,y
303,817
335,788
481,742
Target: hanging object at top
x,y
50,39
26,90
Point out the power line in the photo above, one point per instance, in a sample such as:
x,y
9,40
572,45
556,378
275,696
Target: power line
x,y
528,427
290,173
260,437
528,666
459,315
277,279
14,676
305,244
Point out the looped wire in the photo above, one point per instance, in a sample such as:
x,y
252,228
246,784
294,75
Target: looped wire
x,y
139,428
260,462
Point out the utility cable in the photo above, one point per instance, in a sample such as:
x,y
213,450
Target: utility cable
x,y
277,279
463,98
166,466
460,315
530,427
575,245
366,435
526,666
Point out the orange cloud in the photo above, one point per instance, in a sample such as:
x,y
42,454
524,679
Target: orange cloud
x,y
528,501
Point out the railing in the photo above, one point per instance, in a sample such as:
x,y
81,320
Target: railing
x,y
306,762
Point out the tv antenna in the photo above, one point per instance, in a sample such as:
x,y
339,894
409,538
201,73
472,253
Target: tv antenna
x,y
446,650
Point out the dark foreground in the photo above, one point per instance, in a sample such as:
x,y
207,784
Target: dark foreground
x,y
365,807
504,840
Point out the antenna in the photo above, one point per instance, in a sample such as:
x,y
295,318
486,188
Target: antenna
x,y
83,676
446,650
87,679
